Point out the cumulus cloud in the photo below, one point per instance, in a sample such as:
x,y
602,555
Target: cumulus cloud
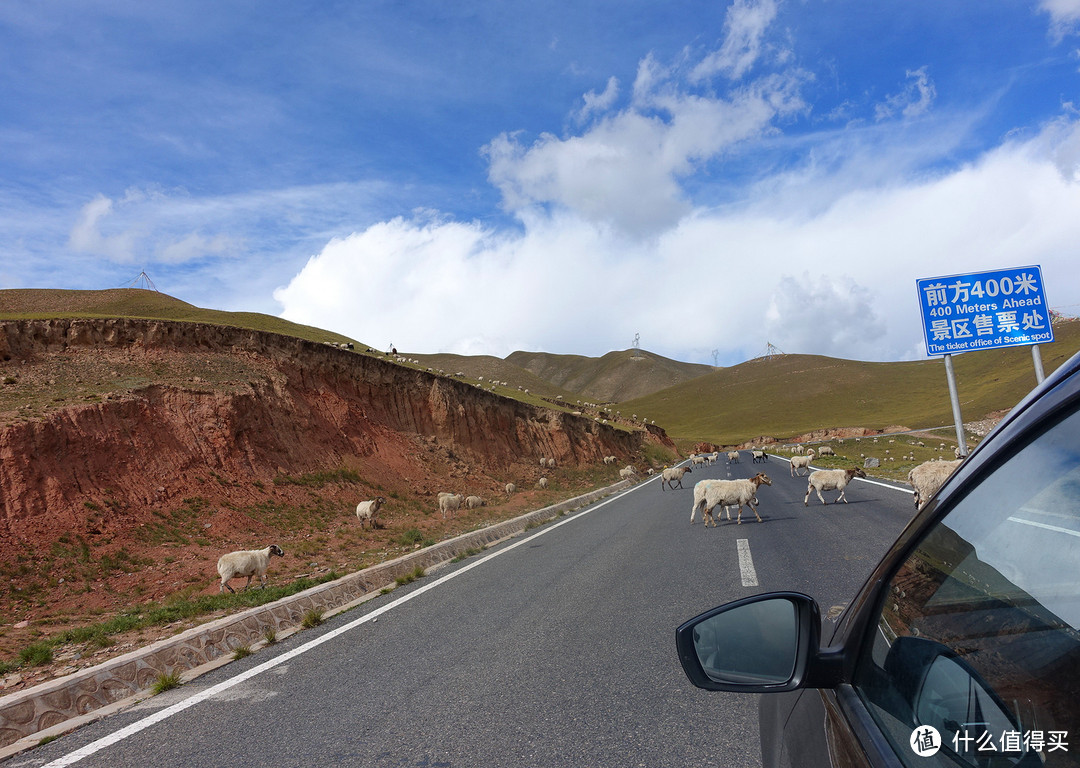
x,y
836,280
912,101
599,102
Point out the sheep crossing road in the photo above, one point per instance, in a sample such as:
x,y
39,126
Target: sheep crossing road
x,y
554,648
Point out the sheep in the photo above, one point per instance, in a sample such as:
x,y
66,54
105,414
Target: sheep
x,y
543,462
627,473
801,462
551,463
733,457
698,461
542,482
246,562
472,502
798,449
928,477
672,475
831,480
713,457
729,493
365,511
610,459
450,502
510,489
759,456
826,451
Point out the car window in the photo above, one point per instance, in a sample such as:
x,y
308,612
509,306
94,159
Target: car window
x,y
977,635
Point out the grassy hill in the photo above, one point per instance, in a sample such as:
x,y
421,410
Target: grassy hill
x,y
788,395
38,303
614,378
495,368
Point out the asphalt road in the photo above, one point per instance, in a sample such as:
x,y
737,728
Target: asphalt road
x,y
553,649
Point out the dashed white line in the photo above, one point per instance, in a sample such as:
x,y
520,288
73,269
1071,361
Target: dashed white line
x,y
746,564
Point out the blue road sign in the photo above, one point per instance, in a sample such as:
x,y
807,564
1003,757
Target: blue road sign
x,y
984,310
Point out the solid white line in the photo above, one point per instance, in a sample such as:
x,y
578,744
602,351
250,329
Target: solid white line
x,y
157,717
746,564
1056,528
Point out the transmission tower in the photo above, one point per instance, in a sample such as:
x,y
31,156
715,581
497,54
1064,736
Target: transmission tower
x,y
142,281
636,354
771,351
716,358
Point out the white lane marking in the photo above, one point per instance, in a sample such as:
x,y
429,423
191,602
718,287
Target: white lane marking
x,y
746,564
157,717
1056,528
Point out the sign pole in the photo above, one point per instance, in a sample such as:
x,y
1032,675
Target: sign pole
x,y
955,406
1036,355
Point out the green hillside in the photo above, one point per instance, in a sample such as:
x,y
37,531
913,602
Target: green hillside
x,y
789,395
38,303
614,378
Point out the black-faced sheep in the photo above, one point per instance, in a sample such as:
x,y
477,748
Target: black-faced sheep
x,y
672,475
365,511
758,456
831,480
727,493
246,562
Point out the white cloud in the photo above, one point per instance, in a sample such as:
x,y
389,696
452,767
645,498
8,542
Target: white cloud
x,y
596,103
914,100
1064,16
744,27
86,235
836,280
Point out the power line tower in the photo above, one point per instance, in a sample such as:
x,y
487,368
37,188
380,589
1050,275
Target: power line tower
x,y
716,358
143,281
636,354
771,351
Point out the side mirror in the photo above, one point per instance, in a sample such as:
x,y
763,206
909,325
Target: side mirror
x,y
760,644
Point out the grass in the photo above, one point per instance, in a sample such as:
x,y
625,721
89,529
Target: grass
x,y
242,652
409,578
166,682
312,618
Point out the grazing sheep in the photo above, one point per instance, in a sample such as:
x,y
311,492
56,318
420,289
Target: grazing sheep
x,y
449,502
928,477
759,456
365,511
672,475
551,463
510,489
728,493
542,482
826,451
801,462
733,457
246,562
472,502
831,480
610,459
627,472
798,449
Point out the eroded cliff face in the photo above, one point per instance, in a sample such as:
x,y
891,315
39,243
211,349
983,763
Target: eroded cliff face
x,y
218,412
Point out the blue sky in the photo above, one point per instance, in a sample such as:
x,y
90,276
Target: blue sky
x,y
486,177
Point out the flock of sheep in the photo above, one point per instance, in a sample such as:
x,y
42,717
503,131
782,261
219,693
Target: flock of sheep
x,y
925,480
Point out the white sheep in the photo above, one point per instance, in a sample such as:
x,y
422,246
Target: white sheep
x,y
801,462
551,463
728,493
928,477
758,456
510,489
542,482
672,475
246,562
472,502
798,449
449,502
826,451
831,480
543,462
627,472
733,457
365,511
698,461
610,459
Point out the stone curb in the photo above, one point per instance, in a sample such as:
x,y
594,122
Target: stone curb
x,y
59,705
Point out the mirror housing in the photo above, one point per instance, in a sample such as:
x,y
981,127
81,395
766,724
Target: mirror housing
x,y
767,643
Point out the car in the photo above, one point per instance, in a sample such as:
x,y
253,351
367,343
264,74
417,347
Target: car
x,y
963,646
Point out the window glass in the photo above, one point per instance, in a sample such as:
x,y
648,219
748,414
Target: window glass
x,y
977,634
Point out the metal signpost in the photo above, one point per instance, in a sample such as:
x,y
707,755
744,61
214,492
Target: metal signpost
x,y
984,310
